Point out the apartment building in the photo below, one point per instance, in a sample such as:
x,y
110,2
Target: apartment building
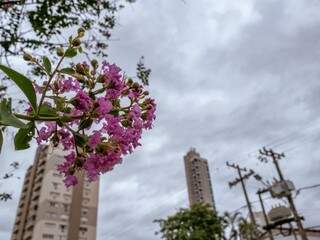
x,y
198,178
49,210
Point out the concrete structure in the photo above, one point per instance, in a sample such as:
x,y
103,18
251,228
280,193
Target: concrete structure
x,y
312,234
198,179
49,210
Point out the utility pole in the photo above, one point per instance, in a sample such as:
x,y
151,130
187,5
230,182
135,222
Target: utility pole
x,y
260,192
241,180
275,157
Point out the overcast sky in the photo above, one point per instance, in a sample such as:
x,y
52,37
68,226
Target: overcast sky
x,y
229,77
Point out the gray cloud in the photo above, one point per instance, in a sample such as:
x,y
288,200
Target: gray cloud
x,y
229,77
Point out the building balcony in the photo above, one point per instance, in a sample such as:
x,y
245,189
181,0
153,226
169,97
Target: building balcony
x,y
40,170
29,226
37,187
38,178
35,196
24,189
27,235
17,222
16,230
21,204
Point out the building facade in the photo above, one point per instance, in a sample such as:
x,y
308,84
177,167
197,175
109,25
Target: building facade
x,y
198,179
49,210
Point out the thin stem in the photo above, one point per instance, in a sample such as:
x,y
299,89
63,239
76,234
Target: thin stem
x,y
48,83
41,118
35,118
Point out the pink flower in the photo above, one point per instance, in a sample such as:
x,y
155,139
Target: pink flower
x,y
112,73
94,139
150,113
66,139
38,88
113,79
65,166
117,109
45,132
68,85
136,110
105,106
70,180
82,101
29,109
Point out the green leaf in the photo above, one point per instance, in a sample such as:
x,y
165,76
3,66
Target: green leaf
x,y
71,52
47,64
6,116
47,111
23,83
80,139
24,136
69,71
85,123
1,140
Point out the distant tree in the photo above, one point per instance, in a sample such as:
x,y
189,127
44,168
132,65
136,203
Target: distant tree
x,y
238,227
248,230
28,25
34,24
199,222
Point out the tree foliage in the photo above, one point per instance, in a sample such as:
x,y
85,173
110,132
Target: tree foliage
x,y
199,222
30,24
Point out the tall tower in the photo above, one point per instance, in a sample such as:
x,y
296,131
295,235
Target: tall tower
x,y
49,210
198,179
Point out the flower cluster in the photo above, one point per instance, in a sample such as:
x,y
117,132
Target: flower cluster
x,y
101,116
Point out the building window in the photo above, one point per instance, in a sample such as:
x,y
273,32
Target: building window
x,y
85,201
50,225
54,195
67,197
87,192
57,175
62,237
63,228
54,204
84,211
84,220
47,236
55,185
66,207
83,230
64,217
51,215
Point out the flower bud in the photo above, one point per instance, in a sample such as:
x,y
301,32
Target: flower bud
x,y
71,170
135,85
146,93
76,42
130,82
79,77
144,116
55,86
81,32
79,162
94,63
80,69
60,52
125,123
100,79
27,57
